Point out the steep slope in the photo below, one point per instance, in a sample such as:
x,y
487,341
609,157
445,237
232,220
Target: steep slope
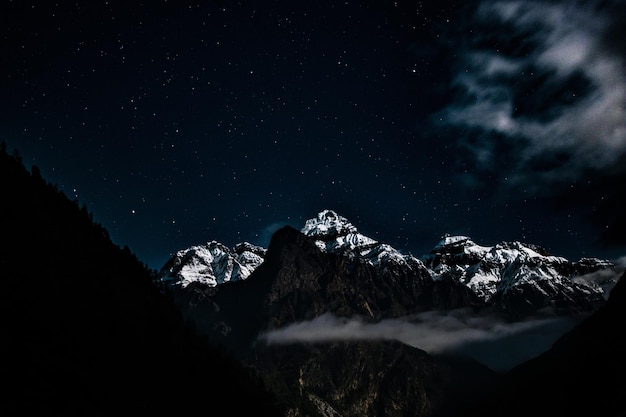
x,y
329,267
520,279
298,281
85,330
367,378
212,264
517,279
582,374
308,282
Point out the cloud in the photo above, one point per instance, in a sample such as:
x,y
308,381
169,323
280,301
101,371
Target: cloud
x,y
542,89
487,338
604,278
620,263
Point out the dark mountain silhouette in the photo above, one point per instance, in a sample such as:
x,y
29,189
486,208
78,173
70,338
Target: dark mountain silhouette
x,y
296,282
88,330
299,282
584,373
85,329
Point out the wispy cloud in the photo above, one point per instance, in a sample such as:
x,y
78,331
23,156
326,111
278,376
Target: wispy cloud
x,y
487,338
604,278
546,96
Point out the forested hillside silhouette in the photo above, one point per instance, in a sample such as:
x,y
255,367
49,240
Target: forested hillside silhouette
x,y
85,329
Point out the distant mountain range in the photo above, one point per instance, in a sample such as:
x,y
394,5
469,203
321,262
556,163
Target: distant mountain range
x,y
519,279
313,325
329,272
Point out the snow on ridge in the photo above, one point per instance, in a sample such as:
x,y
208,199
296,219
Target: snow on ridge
x,y
448,240
502,252
328,224
350,241
213,264
486,270
335,234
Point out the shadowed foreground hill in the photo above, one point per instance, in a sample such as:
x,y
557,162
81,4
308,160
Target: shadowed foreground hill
x,y
84,329
584,373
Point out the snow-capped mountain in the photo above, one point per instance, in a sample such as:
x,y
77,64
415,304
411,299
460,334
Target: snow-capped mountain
x,y
518,276
328,268
335,234
212,264
512,275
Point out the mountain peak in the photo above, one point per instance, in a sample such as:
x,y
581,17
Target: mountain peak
x,y
517,277
328,225
213,264
450,240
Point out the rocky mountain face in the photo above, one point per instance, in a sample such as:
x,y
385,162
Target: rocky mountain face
x,y
520,279
517,279
212,264
367,378
297,281
329,267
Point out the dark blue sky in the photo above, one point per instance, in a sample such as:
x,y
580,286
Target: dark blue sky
x,y
177,123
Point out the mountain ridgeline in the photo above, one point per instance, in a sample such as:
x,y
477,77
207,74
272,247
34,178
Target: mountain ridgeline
x,y
581,374
240,298
85,329
329,267
324,322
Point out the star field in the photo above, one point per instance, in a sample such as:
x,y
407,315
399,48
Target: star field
x,y
177,123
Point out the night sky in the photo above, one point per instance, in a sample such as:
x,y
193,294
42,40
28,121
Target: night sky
x,y
178,123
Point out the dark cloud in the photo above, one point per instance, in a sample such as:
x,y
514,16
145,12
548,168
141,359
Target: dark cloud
x,y
606,278
544,83
539,107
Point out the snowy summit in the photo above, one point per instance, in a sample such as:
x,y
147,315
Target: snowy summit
x,y
511,274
